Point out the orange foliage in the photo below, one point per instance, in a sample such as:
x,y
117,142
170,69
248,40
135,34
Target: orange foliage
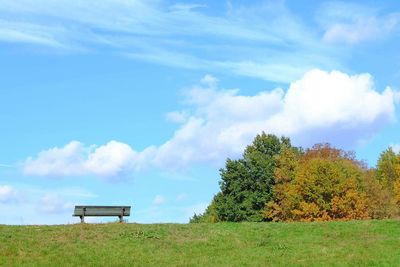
x,y
319,185
352,205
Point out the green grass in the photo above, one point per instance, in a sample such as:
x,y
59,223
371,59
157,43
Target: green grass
x,y
355,243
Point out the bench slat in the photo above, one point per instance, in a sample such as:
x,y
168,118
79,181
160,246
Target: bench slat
x,y
102,210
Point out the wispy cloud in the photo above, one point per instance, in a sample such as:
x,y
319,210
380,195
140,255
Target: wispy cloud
x,y
354,23
34,33
7,166
263,40
185,7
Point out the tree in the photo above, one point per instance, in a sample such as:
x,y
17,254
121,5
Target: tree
x,y
388,167
278,182
246,184
386,199
285,197
209,216
380,201
324,183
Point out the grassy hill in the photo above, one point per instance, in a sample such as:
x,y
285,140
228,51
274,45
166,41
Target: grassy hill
x,y
355,243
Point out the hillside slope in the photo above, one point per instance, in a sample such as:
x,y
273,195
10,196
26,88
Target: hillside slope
x,y
355,243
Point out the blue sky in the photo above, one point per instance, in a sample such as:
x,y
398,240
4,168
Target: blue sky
x,y
139,102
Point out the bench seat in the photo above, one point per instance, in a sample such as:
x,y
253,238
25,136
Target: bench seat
x,y
119,211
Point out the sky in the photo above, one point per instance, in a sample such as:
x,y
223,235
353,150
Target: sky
x,y
140,102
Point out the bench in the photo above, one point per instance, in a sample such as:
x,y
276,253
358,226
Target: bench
x,y
119,211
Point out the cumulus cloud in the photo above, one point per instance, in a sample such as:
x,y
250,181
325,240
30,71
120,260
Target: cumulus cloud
x,y
322,99
320,107
7,194
113,159
177,116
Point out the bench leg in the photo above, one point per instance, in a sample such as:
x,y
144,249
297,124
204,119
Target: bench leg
x,y
120,219
82,219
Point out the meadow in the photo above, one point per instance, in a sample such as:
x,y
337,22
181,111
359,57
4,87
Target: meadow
x,y
353,243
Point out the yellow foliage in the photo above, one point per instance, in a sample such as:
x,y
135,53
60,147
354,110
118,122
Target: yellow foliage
x,y
309,212
350,206
380,202
320,185
396,191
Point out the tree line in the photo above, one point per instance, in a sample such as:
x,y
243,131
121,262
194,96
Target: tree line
x,y
275,181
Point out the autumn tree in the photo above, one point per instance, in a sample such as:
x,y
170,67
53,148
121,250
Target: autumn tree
x,y
324,183
276,181
380,200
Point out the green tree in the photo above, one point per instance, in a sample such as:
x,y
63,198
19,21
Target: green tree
x,y
209,216
386,199
246,184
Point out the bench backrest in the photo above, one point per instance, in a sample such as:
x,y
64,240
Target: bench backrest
x,y
102,210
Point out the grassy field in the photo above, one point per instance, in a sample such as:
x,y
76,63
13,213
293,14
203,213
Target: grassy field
x,y
356,243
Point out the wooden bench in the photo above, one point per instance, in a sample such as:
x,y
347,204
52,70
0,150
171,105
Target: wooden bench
x,y
119,211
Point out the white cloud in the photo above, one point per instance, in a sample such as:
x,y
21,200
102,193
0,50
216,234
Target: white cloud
x,y
53,203
177,116
159,200
64,161
322,99
283,71
280,66
209,80
7,194
32,33
362,30
257,40
111,160
154,18
185,7
354,23
320,107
